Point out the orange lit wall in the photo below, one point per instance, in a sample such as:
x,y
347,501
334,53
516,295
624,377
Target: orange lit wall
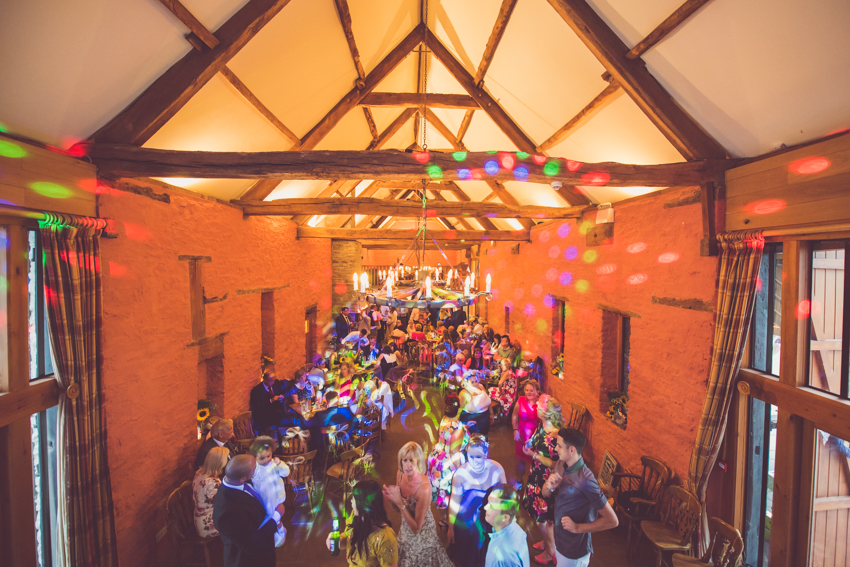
x,y
151,380
655,251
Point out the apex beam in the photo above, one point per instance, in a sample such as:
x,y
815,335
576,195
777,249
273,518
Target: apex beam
x,y
409,209
373,234
119,160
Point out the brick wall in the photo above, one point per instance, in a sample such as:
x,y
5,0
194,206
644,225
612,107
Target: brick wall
x,y
655,251
345,262
151,380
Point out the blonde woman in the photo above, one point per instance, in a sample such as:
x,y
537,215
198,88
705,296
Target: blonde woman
x,y
542,450
418,544
205,487
344,377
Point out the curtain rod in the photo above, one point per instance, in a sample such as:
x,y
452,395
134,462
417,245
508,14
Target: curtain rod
x,y
807,232
63,219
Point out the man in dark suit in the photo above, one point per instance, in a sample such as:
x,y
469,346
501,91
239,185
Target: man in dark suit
x,y
268,400
220,436
247,532
343,324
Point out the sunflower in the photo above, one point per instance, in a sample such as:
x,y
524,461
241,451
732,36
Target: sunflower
x,y
203,414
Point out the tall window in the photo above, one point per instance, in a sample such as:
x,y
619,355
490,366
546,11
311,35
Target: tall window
x,y
767,312
41,361
827,310
831,503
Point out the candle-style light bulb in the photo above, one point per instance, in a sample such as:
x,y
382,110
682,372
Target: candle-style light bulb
x,y
355,281
472,280
364,282
466,286
488,283
428,287
390,286
449,277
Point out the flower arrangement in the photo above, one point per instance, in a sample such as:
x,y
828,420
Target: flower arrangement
x,y
558,366
203,416
618,409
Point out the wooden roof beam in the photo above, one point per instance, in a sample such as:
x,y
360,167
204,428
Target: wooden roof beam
x,y
666,27
464,124
417,100
471,236
191,22
603,99
345,19
679,128
173,89
133,161
499,27
391,130
353,98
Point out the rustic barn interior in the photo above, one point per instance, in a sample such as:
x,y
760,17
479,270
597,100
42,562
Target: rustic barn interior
x,y
603,162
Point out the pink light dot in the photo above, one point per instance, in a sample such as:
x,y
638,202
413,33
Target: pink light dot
x,y
529,310
340,288
606,269
804,308
636,247
668,257
325,302
314,284
637,279
554,251
537,290
551,274
809,166
518,293
544,236
564,230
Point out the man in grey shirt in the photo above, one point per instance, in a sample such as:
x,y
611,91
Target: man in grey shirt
x,y
580,506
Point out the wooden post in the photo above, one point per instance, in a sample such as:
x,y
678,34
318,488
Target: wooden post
x,y
197,311
708,244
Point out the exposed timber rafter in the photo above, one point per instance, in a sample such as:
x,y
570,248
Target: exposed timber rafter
x,y
243,89
191,22
499,27
345,19
417,100
603,99
666,27
173,89
471,236
679,128
392,129
131,161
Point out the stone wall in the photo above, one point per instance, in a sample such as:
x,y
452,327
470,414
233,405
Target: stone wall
x,y
654,252
345,262
152,381
390,257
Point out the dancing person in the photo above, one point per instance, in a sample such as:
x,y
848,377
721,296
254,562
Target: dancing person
x,y
239,515
418,544
506,391
541,449
371,539
580,506
268,479
387,360
221,435
508,547
476,405
525,421
204,488
447,455
469,485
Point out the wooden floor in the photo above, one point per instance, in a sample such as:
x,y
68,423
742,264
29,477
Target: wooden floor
x,y
307,529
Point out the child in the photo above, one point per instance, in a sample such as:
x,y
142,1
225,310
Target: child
x,y
268,479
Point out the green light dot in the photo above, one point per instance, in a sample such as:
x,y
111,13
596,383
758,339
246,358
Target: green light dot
x,y
551,168
51,190
459,156
585,227
522,155
2,284
582,286
518,327
10,150
435,172
3,127
542,325
491,151
589,256
568,312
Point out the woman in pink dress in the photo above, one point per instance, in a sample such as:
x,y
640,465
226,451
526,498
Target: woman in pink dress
x,y
525,422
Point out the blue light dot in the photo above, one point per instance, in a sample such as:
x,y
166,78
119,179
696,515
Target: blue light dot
x,y
491,167
521,173
571,253
566,278
463,174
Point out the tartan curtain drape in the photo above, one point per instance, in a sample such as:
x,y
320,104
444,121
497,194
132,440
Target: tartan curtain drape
x,y
75,315
740,257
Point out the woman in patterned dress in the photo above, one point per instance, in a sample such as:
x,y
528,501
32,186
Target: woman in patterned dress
x,y
205,487
506,391
447,455
418,544
541,449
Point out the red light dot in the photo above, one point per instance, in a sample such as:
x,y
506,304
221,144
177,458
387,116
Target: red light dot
x,y
595,178
477,174
340,288
809,166
508,161
803,309
768,207
539,160
421,157
573,165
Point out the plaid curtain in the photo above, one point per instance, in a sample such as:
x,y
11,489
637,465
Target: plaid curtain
x,y
740,257
75,315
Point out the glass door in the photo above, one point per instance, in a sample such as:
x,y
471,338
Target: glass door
x,y
758,506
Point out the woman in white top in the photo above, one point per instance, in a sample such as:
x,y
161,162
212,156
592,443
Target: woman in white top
x,y
476,404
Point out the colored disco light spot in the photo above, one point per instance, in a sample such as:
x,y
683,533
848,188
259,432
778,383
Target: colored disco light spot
x,y
491,167
136,231
521,173
463,174
435,172
522,155
571,253
759,284
10,150
668,257
767,207
551,168
508,161
518,293
566,278
459,156
509,305
502,265
328,273
536,290
606,283
2,319
422,157
3,128
636,247
477,174
595,178
542,325
51,190
551,274
585,227
809,166
589,256
548,301
554,251
605,269
314,284
529,310
495,293
804,308
568,311
637,279
325,302
340,288
492,151
539,160
564,230
2,284
582,286
117,270
573,165
544,236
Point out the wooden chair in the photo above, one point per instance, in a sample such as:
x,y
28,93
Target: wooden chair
x,y
372,430
637,497
677,525
725,549
243,430
301,472
343,472
577,413
180,519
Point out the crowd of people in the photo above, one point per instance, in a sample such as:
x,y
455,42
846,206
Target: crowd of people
x,y
481,376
